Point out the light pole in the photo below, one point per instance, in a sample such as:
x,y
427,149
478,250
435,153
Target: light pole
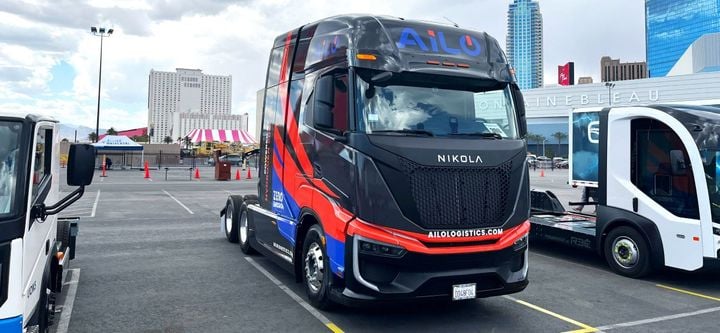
x,y
102,32
610,85
544,147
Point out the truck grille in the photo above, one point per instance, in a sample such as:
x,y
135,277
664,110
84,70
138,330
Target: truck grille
x,y
459,197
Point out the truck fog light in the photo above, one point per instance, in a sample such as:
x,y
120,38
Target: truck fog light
x,y
380,249
521,243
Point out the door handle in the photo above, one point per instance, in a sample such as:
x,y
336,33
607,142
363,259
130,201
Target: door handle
x,y
317,170
635,204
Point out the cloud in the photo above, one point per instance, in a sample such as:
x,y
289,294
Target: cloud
x,y
234,38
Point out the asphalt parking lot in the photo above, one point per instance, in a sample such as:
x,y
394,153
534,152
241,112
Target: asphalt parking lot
x,y
151,258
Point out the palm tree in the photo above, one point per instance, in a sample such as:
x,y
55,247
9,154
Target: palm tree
x,y
92,136
559,136
111,131
537,138
168,140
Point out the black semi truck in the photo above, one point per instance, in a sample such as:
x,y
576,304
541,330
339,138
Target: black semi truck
x,y
391,165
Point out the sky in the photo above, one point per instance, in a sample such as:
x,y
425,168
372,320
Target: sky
x,y
49,59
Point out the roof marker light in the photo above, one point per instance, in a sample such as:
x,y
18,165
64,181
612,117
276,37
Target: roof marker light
x,y
433,62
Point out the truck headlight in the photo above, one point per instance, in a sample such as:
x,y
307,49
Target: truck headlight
x,y
379,248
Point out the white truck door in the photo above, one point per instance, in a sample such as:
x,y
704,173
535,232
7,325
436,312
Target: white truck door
x,y
40,235
648,160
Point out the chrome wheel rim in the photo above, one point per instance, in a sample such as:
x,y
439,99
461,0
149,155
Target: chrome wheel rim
x,y
625,252
228,219
243,227
314,267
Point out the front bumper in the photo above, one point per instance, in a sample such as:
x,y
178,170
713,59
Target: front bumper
x,y
13,324
373,278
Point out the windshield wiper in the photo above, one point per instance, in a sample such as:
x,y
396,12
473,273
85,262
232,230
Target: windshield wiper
x,y
491,135
405,131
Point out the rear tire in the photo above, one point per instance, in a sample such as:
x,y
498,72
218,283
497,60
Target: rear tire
x,y
243,229
316,269
627,253
232,207
46,305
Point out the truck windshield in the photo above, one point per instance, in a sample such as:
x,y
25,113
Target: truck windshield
x,y
431,111
9,140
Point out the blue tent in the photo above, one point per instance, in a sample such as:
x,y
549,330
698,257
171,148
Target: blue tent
x,y
116,143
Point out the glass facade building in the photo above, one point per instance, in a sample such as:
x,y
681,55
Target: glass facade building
x,y
525,42
672,25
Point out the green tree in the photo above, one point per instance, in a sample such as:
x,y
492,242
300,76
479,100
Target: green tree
x,y
111,131
168,140
92,136
140,138
559,136
186,142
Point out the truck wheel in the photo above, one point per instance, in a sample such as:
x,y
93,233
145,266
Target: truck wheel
x,y
316,268
627,252
244,230
46,305
231,218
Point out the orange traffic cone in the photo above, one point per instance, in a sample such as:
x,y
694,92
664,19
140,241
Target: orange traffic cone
x,y
249,175
237,174
147,170
542,172
197,173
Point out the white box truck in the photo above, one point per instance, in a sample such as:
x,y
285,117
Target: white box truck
x,y
35,245
657,174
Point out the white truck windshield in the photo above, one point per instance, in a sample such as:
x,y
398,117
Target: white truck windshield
x,y
9,140
435,111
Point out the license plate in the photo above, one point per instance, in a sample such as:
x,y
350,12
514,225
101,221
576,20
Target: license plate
x,y
463,291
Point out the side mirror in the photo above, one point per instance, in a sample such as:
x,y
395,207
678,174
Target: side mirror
x,y
324,100
677,161
520,110
81,165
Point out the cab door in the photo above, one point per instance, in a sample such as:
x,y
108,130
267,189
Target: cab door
x,y
40,235
662,186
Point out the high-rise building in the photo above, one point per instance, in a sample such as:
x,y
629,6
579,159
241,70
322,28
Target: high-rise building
x,y
614,70
671,26
525,42
184,91
585,80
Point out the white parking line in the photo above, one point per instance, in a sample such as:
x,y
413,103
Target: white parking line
x,y
64,322
658,319
97,199
332,327
178,201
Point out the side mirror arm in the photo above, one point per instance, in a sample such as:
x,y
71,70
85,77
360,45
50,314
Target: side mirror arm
x,y
40,211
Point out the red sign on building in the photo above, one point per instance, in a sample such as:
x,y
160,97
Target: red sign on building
x,y
566,74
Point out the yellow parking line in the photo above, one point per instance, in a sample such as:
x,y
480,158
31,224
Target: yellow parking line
x,y
689,292
585,328
334,328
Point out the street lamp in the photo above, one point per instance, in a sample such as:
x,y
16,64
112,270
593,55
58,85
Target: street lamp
x,y
102,32
610,85
544,147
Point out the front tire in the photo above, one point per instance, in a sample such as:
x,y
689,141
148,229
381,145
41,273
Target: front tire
x,y
316,268
627,252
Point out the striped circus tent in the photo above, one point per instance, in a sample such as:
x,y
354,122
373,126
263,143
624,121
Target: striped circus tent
x,y
220,135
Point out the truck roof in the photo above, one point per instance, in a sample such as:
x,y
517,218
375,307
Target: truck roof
x,y
400,45
29,116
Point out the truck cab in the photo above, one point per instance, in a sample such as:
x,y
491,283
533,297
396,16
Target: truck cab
x,y
34,243
656,169
392,163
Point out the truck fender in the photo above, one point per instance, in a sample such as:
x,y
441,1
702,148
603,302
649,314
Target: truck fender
x,y
307,218
609,218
